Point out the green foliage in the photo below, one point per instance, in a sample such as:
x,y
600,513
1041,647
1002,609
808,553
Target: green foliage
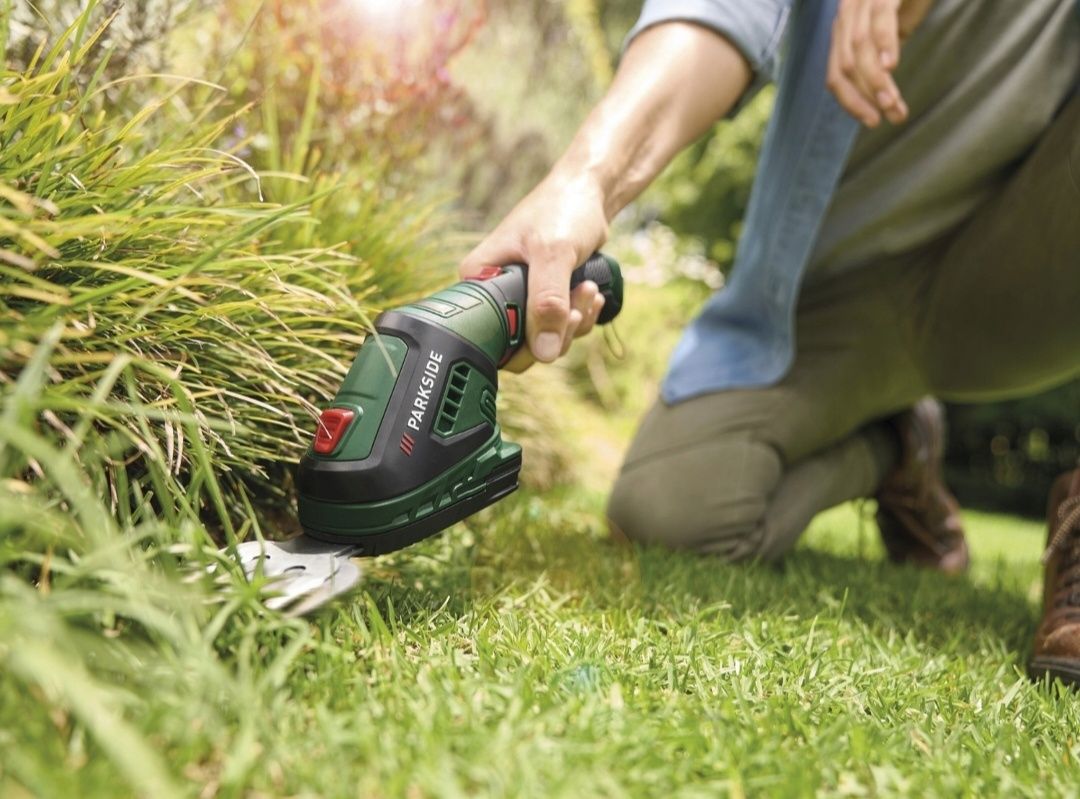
x,y
163,340
532,74
138,34
466,102
182,281
192,327
616,18
342,80
1006,455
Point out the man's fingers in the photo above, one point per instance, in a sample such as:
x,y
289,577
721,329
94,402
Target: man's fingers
x,y
590,315
573,322
885,31
865,70
842,48
523,358
865,49
582,299
873,77
597,307
876,81
554,317
882,56
587,302
844,89
549,302
843,76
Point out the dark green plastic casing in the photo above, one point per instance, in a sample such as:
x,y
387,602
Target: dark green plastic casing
x,y
411,443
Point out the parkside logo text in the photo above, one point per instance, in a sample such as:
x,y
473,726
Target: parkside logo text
x,y
423,390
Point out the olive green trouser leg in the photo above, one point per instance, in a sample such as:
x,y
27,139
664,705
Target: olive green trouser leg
x,y
741,473
1001,315
992,311
733,497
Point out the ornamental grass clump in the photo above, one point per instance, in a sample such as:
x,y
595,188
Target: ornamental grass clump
x,y
193,339
167,330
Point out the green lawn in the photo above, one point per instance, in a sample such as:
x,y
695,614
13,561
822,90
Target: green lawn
x,y
526,656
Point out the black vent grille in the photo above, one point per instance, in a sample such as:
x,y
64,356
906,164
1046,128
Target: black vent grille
x,y
451,404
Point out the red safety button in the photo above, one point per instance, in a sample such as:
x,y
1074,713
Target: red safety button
x,y
512,320
488,272
332,426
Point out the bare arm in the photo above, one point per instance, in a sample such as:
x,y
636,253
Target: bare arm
x,y
675,80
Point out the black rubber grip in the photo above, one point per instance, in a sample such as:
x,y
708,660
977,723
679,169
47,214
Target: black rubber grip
x,y
509,289
605,273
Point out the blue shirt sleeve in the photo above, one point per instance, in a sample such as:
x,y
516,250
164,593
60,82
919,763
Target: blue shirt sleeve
x,y
754,27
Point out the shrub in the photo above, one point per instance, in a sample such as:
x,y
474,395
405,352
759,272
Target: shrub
x,y
137,35
379,81
1006,455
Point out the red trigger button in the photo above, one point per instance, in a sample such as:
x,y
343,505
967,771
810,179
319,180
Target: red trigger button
x,y
332,426
512,320
488,272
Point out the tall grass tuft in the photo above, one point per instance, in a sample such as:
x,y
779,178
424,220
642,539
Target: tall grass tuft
x,y
170,318
196,326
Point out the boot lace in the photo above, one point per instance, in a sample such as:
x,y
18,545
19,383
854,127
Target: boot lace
x,y
1068,522
1066,541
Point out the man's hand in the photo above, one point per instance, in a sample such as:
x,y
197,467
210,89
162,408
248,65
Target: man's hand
x,y
867,35
553,230
675,80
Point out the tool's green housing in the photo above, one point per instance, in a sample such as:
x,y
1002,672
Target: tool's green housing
x,y
422,448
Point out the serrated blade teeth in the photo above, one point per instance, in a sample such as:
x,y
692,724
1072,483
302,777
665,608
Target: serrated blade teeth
x,y
302,574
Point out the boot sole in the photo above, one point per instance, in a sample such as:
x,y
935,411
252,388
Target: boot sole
x,y
1065,669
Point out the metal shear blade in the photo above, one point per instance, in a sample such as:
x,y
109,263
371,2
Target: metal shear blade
x,y
303,573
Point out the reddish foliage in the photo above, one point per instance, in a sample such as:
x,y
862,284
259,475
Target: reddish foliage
x,y
384,74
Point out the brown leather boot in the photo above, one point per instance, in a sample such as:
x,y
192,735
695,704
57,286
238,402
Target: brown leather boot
x,y
918,517
1057,641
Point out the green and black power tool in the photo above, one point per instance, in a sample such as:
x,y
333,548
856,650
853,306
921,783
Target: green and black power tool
x,y
411,443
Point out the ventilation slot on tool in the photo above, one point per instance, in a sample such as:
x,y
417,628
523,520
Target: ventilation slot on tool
x,y
487,406
451,404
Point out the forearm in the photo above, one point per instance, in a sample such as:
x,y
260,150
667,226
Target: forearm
x,y
675,80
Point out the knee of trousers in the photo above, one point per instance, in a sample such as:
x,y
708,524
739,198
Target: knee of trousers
x,y
709,498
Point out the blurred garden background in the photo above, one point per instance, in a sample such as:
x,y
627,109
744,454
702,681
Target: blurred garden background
x,y
202,207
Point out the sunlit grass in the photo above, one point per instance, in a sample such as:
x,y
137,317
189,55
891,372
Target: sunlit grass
x,y
522,655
